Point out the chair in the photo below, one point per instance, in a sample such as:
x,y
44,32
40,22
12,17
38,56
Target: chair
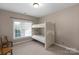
x,y
6,42
4,50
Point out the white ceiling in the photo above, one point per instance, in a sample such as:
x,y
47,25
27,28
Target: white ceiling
x,y
27,8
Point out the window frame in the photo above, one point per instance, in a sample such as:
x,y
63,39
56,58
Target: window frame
x,y
20,20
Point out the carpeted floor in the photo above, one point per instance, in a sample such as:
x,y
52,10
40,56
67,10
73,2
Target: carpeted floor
x,y
36,48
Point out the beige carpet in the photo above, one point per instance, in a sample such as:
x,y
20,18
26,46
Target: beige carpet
x,y
36,48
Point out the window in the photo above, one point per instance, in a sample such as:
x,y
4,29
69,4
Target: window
x,y
22,28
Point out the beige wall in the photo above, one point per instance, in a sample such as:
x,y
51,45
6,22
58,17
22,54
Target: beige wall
x,y
67,26
6,24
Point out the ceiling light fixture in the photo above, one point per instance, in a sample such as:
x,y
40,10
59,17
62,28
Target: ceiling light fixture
x,y
35,5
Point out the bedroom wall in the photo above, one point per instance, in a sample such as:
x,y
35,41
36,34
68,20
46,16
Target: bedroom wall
x,y
0,26
67,26
6,24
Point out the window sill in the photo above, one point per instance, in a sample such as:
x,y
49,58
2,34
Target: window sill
x,y
17,38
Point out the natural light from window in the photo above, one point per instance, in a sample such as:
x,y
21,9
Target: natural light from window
x,y
22,29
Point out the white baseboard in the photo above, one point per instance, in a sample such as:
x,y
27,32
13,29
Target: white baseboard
x,y
68,48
